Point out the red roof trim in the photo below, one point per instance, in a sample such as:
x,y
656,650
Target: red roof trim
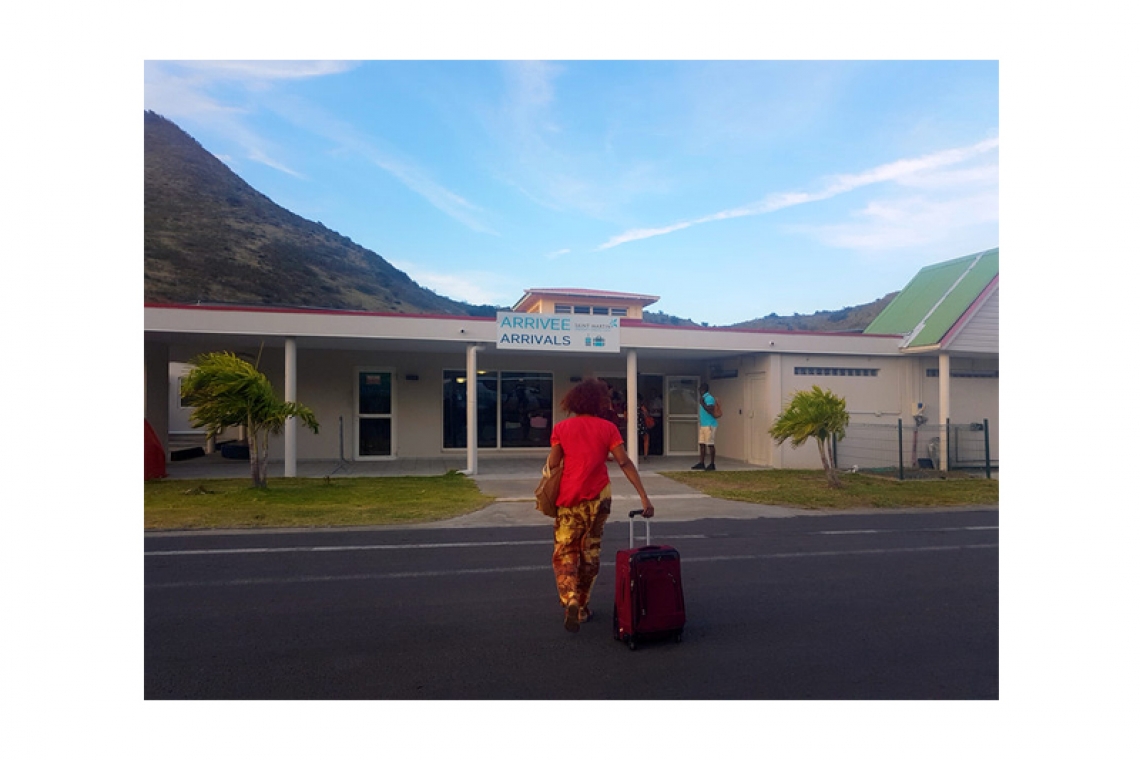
x,y
292,310
625,321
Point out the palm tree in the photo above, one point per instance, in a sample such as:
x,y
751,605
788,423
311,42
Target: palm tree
x,y
226,391
817,414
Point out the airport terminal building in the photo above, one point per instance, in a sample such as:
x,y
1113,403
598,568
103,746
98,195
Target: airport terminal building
x,y
394,386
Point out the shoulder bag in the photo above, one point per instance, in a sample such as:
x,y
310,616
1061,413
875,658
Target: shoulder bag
x,y
546,495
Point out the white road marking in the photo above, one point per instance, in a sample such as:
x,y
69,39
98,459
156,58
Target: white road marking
x,y
474,544
901,530
365,547
544,568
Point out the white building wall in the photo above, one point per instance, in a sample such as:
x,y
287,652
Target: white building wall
x,y
881,399
972,399
980,334
732,427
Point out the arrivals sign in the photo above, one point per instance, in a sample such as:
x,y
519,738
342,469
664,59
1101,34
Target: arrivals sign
x,y
558,332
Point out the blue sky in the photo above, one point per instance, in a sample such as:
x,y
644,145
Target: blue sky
x,y
730,189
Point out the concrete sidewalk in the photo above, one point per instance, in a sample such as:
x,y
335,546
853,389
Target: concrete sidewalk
x,y
512,480
672,501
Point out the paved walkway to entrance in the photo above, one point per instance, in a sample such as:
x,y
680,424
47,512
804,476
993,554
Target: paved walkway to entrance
x,y
511,480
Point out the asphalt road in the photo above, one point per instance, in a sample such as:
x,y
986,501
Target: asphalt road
x,y
884,606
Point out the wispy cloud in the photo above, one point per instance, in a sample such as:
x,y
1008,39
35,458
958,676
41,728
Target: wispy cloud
x,y
912,171
529,97
450,203
551,158
881,227
471,286
556,254
348,138
254,71
182,90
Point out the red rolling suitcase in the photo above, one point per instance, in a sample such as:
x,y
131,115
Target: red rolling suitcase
x,y
648,599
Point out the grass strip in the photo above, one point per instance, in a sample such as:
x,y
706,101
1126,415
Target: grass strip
x,y
807,489
308,502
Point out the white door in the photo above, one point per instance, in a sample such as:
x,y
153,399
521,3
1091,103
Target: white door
x,y
757,419
681,419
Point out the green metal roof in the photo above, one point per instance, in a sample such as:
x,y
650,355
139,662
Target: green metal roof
x,y
936,299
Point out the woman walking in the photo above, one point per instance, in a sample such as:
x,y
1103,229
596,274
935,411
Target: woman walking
x,y
582,443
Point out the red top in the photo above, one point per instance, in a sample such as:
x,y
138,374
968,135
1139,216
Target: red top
x,y
585,443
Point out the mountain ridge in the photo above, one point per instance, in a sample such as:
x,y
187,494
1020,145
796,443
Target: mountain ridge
x,y
210,237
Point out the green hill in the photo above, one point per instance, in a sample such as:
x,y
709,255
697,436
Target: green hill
x,y
211,238
849,319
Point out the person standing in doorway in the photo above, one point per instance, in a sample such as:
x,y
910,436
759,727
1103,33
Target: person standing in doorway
x,y
610,412
581,443
620,411
642,425
657,431
707,435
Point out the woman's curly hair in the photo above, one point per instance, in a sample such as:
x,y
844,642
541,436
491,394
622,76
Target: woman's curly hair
x,y
587,397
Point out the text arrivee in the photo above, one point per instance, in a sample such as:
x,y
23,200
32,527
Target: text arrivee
x,y
594,333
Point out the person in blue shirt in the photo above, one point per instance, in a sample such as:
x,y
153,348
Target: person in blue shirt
x,y
707,435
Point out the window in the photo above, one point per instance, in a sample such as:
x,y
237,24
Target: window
x,y
514,409
838,371
988,373
605,311
182,403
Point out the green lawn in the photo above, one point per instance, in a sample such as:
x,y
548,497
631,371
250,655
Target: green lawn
x,y
808,489
307,502
329,502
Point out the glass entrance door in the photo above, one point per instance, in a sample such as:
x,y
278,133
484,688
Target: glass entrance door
x,y
374,414
681,414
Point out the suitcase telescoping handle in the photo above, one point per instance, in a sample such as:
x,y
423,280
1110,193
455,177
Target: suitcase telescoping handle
x,y
632,515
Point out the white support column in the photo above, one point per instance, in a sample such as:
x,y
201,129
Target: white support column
x,y
944,408
633,445
472,408
291,395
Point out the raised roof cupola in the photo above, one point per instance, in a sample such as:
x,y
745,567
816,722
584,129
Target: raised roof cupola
x,y
583,301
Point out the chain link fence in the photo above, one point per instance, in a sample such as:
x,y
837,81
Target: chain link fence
x,y
908,450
